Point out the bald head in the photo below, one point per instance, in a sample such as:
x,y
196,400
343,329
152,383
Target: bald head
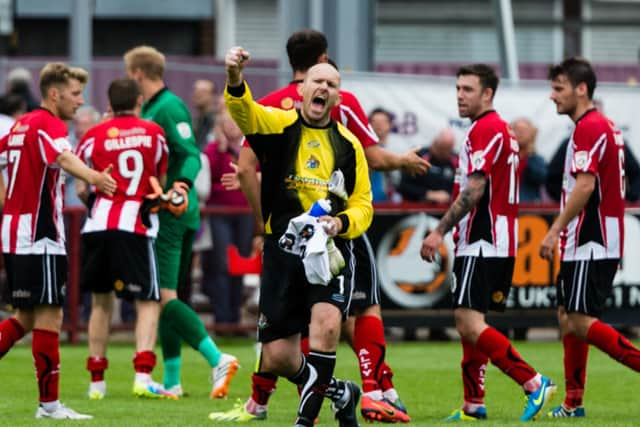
x,y
443,144
525,133
320,93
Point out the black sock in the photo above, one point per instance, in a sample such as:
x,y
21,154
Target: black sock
x,y
314,377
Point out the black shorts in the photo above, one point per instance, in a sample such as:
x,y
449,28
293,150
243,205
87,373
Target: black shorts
x,y
584,286
36,279
122,262
286,297
481,284
366,291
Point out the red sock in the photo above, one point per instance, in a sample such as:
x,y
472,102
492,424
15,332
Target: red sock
x,y
474,365
504,356
144,362
370,347
614,344
575,369
45,347
97,365
10,331
385,379
262,386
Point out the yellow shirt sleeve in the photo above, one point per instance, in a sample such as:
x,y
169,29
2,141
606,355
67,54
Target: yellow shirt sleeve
x,y
253,118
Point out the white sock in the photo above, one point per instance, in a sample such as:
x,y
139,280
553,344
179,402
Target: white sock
x,y
391,394
50,406
101,386
254,408
143,378
374,395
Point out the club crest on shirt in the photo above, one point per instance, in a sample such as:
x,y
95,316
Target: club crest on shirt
x,y
497,297
113,132
312,162
286,103
477,159
118,285
184,130
262,321
581,159
314,143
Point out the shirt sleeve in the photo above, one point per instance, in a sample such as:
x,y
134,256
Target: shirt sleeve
x,y
485,144
587,140
181,142
253,118
52,142
352,115
359,210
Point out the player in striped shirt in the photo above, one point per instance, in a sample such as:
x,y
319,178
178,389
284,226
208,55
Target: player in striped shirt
x,y
117,237
33,238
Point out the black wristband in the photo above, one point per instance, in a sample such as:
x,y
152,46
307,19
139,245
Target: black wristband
x,y
345,223
236,91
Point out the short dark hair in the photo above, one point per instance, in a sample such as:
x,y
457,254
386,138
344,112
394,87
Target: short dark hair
x,y
380,110
123,94
486,74
304,47
12,103
578,70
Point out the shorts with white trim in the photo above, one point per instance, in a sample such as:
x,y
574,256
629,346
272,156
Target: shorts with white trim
x,y
120,261
480,283
367,288
286,297
36,279
584,286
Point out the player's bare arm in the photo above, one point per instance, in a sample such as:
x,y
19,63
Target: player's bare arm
x,y
578,199
102,180
384,160
467,199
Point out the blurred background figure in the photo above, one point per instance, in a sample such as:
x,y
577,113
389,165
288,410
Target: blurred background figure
x,y
85,118
436,185
533,168
19,83
382,187
225,292
12,106
204,101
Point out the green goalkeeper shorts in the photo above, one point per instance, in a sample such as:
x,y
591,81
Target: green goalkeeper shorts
x,y
173,249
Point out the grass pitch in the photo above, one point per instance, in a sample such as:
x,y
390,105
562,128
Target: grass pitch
x,y
427,377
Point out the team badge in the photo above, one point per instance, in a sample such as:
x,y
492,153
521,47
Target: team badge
x,y
497,297
581,159
113,132
477,159
312,163
314,143
184,130
286,103
262,321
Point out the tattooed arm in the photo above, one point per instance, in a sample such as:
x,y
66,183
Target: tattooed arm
x,y
467,199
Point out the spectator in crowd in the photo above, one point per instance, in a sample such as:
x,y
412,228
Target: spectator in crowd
x,y
85,118
532,168
381,186
224,291
19,83
12,106
436,185
556,167
204,102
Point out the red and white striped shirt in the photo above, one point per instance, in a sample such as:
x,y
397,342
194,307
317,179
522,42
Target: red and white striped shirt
x,y
596,147
32,221
490,147
137,150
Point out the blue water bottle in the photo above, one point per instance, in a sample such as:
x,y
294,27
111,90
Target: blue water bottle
x,y
320,207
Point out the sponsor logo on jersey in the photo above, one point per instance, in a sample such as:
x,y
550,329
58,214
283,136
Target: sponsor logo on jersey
x,y
358,295
113,132
313,143
337,297
312,162
184,130
20,128
20,293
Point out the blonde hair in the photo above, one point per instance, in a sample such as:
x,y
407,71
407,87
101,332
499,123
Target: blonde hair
x,y
146,58
59,74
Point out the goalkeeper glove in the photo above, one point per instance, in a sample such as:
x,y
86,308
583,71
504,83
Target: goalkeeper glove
x,y
177,198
